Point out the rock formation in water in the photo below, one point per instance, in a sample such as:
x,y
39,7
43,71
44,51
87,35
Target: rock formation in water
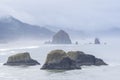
x,y
61,37
82,59
76,42
21,59
97,41
58,59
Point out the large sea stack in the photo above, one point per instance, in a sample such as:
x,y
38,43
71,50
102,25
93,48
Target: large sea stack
x,y
61,37
21,59
58,59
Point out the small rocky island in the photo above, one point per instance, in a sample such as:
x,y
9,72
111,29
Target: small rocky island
x,y
21,59
82,59
60,60
61,37
97,41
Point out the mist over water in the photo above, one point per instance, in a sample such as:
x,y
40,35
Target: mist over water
x,y
108,52
31,23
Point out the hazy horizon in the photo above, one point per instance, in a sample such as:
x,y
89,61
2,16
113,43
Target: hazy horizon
x,y
77,14
59,39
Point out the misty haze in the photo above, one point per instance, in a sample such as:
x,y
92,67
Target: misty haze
x,y
59,40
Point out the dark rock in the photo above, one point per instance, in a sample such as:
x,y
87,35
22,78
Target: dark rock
x,y
97,41
82,59
99,62
76,42
61,37
21,59
58,59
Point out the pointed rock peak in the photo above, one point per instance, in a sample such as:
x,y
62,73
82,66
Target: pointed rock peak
x,y
62,32
61,37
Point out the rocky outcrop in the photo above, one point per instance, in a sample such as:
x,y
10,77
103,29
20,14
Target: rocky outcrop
x,y
76,42
97,41
99,62
21,59
58,59
61,37
82,59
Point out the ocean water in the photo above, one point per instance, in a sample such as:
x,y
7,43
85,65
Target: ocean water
x,y
110,53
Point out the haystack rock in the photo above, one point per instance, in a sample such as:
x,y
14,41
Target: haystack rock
x,y
82,59
21,59
61,37
97,41
58,59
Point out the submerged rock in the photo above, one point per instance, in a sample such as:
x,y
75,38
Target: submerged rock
x,y
21,59
58,59
82,59
61,37
97,41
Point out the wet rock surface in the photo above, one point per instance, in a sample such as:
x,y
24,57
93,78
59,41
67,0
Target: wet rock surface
x,y
21,59
60,60
82,59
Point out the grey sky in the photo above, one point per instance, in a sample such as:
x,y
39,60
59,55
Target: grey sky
x,y
80,14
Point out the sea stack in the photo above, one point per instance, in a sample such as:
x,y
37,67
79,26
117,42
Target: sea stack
x,y
58,59
97,41
82,59
21,59
61,37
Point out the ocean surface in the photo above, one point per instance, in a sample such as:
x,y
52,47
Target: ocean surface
x,y
109,52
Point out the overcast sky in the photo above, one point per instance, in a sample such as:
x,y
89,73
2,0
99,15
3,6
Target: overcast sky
x,y
78,14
